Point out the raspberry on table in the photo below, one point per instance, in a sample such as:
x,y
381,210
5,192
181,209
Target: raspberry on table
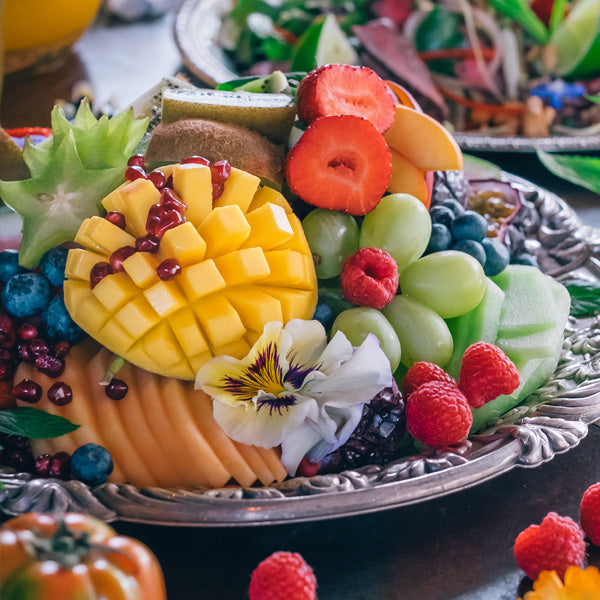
x,y
369,277
438,414
554,545
486,373
589,513
424,372
283,576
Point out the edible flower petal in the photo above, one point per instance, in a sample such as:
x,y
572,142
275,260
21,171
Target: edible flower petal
x,y
579,584
295,389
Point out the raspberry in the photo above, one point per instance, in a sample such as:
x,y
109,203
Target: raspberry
x,y
486,373
283,576
589,513
438,414
554,545
369,278
423,372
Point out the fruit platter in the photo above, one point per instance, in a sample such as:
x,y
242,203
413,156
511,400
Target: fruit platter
x,y
506,81
234,307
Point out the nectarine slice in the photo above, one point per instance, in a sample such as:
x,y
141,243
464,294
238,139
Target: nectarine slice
x,y
407,179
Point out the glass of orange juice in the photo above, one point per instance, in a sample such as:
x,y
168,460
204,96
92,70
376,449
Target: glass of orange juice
x,y
39,30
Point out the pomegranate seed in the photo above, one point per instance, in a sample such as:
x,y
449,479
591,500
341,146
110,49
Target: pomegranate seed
x,y
220,171
23,353
61,349
136,160
149,243
12,441
60,466
116,218
168,269
158,179
20,460
7,368
41,465
37,347
6,355
217,190
196,160
7,332
27,332
160,219
134,173
169,182
98,272
168,199
60,393
50,365
27,390
119,255
116,389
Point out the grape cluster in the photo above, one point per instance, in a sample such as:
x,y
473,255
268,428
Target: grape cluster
x,y
456,228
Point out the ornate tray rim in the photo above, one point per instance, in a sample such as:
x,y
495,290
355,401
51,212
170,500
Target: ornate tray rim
x,y
196,27
554,420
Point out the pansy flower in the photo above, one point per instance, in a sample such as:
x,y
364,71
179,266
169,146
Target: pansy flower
x,y
295,389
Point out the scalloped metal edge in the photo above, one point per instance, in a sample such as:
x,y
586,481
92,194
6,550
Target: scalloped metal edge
x,y
553,421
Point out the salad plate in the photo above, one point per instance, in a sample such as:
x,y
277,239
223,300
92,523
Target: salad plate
x,y
553,420
197,29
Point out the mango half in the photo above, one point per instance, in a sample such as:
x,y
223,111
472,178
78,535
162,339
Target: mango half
x,y
244,261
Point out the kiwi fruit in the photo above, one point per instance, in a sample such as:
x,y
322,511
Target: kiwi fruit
x,y
246,150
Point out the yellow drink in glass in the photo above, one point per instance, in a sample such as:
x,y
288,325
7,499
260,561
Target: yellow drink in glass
x,y
37,30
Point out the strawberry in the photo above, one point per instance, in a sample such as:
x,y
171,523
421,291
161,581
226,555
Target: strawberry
x,y
486,373
283,576
340,163
438,414
345,90
423,372
369,277
554,545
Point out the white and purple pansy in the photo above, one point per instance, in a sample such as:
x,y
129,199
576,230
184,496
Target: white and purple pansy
x,y
295,389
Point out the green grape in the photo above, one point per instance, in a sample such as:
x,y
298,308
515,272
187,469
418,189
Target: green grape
x,y
332,236
357,323
423,334
400,224
450,282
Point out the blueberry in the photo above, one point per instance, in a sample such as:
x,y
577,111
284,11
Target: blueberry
x,y
325,315
475,249
59,324
469,226
92,464
53,263
26,294
497,256
441,214
525,259
455,206
9,265
440,239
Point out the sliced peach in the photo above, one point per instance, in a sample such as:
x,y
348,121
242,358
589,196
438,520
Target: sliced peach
x,y
407,179
403,95
423,141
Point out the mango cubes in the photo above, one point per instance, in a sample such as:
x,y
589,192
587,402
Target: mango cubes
x,y
219,274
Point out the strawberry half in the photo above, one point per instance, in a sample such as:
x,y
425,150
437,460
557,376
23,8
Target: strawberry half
x,y
345,90
340,163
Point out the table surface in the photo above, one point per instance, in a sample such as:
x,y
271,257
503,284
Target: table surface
x,y
458,547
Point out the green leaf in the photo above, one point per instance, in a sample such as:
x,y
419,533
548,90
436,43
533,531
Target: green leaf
x,y
580,170
558,12
521,12
595,99
440,29
33,423
585,297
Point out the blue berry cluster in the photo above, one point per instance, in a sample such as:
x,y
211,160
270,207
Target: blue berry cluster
x,y
456,228
29,294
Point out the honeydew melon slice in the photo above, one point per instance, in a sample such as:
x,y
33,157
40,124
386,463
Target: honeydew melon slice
x,y
478,325
528,303
537,369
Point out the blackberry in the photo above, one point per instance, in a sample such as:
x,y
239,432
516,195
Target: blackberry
x,y
378,437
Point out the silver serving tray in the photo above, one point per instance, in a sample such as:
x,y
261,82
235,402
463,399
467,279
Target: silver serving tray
x,y
196,33
553,420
